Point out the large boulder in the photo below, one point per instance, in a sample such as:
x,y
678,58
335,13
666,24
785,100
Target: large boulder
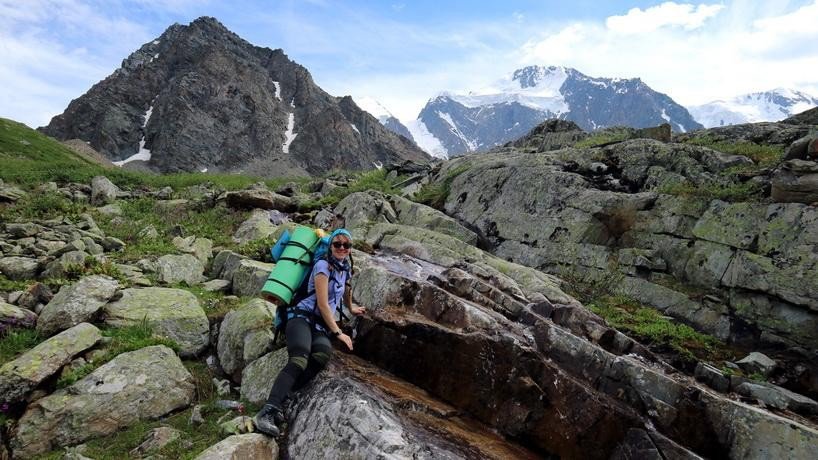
x,y
242,446
796,181
77,303
364,209
19,268
171,313
138,385
15,317
245,335
543,375
201,248
103,191
185,268
23,374
256,227
258,377
249,277
259,198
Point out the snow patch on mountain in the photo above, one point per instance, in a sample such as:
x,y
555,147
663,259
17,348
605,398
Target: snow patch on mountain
x,y
536,87
771,105
470,143
425,140
375,108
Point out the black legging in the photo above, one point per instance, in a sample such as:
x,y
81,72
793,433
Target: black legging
x,y
309,351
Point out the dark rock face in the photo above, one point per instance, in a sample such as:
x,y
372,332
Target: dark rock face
x,y
394,125
810,117
603,102
478,128
604,210
201,97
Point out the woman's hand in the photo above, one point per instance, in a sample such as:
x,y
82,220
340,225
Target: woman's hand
x,y
347,340
357,310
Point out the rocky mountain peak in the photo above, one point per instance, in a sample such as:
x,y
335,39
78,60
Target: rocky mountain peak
x,y
201,98
530,76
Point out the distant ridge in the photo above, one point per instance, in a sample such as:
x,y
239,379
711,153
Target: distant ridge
x,y
482,119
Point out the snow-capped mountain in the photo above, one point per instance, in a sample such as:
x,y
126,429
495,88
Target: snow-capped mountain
x,y
485,118
771,105
377,110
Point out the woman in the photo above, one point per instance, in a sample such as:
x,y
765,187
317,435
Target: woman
x,y
310,325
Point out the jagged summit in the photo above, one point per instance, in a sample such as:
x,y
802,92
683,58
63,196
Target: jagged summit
x,y
201,98
480,119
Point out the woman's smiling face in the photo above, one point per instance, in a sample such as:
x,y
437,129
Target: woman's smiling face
x,y
340,247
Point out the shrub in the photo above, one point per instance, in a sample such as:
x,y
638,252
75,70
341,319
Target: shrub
x,y
656,329
435,194
763,155
602,138
15,341
729,191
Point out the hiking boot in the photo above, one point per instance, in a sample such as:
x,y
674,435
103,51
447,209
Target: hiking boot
x,y
267,420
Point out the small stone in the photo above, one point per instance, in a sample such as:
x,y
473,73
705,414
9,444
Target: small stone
x,y
196,415
217,285
757,362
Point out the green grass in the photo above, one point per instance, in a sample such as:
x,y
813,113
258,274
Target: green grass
x,y
602,138
215,304
650,326
435,194
7,285
217,224
763,155
93,266
375,179
731,192
16,341
258,249
41,206
30,158
123,339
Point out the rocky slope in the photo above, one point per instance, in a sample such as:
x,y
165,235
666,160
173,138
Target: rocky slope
x,y
464,352
201,98
707,237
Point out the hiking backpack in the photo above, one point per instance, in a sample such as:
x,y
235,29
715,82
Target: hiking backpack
x,y
321,251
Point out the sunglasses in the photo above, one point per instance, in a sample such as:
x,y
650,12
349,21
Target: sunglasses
x,y
339,245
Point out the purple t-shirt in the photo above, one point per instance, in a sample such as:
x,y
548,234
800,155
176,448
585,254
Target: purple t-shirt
x,y
336,281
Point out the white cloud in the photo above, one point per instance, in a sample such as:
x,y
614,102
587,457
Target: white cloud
x,y
692,59
684,15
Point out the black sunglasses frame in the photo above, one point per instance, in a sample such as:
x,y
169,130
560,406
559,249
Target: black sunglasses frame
x,y
339,245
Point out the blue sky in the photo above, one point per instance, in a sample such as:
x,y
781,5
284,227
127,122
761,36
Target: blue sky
x,y
404,52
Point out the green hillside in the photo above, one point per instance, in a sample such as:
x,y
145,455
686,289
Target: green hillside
x,y
28,157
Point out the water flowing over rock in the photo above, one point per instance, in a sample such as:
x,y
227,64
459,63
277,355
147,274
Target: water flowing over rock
x,y
77,303
358,412
129,387
171,313
242,446
529,378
